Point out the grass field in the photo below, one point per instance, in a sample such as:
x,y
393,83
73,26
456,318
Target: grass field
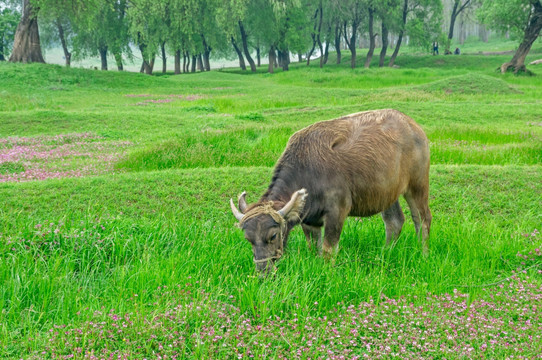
x,y
117,241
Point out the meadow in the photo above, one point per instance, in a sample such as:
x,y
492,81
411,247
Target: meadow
x,y
117,241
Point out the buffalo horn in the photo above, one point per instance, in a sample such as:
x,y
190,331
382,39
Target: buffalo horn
x,y
238,215
242,202
286,209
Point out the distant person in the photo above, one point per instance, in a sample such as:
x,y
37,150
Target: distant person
x,y
457,51
435,48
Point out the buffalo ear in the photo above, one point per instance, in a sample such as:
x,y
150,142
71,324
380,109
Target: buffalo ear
x,y
292,210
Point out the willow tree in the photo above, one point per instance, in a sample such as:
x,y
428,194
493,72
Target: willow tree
x,y
277,26
523,18
232,16
27,44
148,28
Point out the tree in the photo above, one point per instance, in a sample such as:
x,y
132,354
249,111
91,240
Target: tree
x,y
458,7
181,32
387,11
276,27
317,20
420,20
372,35
56,25
352,12
148,28
9,19
523,18
99,27
26,45
232,16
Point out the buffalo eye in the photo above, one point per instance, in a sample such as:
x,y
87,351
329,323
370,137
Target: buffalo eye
x,y
273,237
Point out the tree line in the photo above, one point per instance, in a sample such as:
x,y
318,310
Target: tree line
x,y
191,30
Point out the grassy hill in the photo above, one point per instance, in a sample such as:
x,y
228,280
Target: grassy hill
x,y
116,237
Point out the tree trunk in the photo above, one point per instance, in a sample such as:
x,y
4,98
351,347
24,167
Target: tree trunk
x,y
396,50
200,62
193,67
258,57
147,66
285,59
309,54
313,36
456,10
326,52
164,59
103,56
318,37
299,57
242,64
177,62
67,54
244,39
532,32
372,36
450,33
384,45
482,33
118,60
187,64
26,45
401,33
462,31
206,55
2,58
279,57
351,43
207,60
338,42
150,66
271,66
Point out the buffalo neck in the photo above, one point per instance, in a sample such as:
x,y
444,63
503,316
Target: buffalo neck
x,y
281,188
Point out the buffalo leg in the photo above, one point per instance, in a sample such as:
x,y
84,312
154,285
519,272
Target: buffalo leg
x,y
418,201
394,219
313,234
332,232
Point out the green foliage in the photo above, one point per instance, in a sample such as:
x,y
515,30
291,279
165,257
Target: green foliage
x,y
506,15
9,19
424,24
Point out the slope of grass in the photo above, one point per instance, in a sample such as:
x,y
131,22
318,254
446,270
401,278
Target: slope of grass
x,y
150,248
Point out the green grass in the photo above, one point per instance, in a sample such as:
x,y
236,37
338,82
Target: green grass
x,y
74,248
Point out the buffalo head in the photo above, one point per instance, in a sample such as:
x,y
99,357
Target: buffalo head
x,y
266,227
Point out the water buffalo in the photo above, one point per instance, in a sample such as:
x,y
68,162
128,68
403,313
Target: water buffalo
x,y
356,165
